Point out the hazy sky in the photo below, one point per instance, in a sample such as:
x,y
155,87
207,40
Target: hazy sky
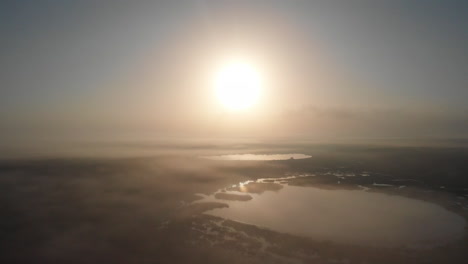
x,y
142,69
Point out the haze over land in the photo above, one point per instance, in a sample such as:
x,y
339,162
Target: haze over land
x,y
234,131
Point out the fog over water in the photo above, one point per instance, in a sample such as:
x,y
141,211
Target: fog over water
x,y
354,203
219,131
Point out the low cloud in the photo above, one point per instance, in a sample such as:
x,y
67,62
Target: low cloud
x,y
375,122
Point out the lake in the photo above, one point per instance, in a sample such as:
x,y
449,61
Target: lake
x,y
343,216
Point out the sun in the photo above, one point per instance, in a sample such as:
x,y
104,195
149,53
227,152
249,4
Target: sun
x,y
237,85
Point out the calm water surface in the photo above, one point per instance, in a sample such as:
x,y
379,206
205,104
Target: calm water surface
x,y
259,156
346,216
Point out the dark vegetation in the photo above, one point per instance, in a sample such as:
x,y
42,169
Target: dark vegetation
x,y
113,210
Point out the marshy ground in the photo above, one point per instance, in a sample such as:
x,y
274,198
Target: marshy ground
x,y
147,210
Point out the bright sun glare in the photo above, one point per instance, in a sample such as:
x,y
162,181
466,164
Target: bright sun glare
x,y
238,85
